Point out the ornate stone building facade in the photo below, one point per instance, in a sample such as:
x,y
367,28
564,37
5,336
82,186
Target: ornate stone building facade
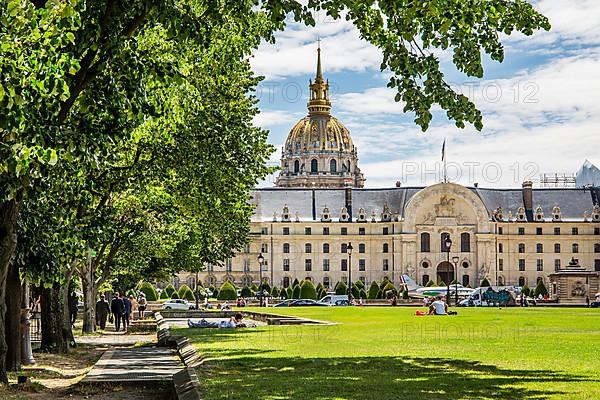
x,y
319,151
303,226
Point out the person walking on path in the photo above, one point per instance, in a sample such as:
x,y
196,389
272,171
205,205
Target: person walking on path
x,y
102,311
142,305
72,304
134,307
117,307
126,312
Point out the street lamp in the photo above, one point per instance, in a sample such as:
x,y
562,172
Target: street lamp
x,y
448,244
455,261
350,272
260,259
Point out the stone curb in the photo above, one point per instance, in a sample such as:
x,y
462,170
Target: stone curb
x,y
186,385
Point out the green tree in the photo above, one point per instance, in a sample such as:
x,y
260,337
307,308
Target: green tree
x,y
389,290
149,291
175,295
307,290
275,292
169,289
182,289
431,283
525,290
540,289
246,292
164,295
485,282
296,292
373,290
341,288
227,291
362,294
289,293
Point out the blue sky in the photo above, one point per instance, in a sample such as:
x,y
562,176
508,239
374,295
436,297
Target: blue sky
x,y
541,106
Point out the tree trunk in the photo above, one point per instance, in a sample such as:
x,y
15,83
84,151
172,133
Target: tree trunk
x,y
9,211
54,337
88,281
13,319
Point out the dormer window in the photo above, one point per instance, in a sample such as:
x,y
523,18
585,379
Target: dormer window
x,y
325,216
521,214
596,213
285,216
556,215
362,217
539,214
344,217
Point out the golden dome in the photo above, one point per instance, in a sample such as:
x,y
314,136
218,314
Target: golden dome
x,y
319,132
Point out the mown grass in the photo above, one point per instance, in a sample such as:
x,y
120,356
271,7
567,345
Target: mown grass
x,y
388,353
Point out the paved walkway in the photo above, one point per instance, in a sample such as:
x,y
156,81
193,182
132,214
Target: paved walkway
x,y
116,339
135,364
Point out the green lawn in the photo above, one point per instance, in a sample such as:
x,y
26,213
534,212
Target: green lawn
x,y
388,353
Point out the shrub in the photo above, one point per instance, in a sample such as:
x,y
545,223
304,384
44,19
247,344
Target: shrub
x,y
213,290
307,290
525,290
430,283
362,294
485,282
405,295
355,291
296,282
149,291
175,295
289,293
246,292
454,282
341,288
380,294
373,290
182,289
319,287
254,288
296,292
131,292
540,289
389,290
164,295
384,283
169,289
227,292
187,294
359,284
266,287
320,294
275,292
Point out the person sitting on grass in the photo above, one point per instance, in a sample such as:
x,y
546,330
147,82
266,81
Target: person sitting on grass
x,y
233,322
438,307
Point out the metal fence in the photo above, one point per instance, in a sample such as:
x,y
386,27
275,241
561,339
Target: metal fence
x,y
35,327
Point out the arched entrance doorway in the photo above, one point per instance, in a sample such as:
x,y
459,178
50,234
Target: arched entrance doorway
x,y
445,272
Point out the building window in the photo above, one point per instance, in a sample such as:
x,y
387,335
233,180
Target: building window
x,y
386,264
425,243
556,264
521,231
361,231
521,264
540,264
344,247
286,248
465,264
557,247
326,281
557,231
344,231
308,248
521,281
361,264
596,231
228,267
425,264
443,237
332,166
314,166
325,247
538,231
386,248
264,248
500,248
500,231
574,231
465,280
264,231
386,230
286,264
246,248
326,231
575,248
425,280
501,265
246,265
539,248
344,265
308,265
361,248
465,243
596,247
307,231
325,265
286,230
286,282
521,247
596,265
210,268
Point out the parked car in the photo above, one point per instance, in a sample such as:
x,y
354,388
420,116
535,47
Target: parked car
x,y
332,299
305,303
176,304
595,304
284,303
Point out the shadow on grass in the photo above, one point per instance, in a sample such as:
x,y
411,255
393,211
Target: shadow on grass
x,y
374,378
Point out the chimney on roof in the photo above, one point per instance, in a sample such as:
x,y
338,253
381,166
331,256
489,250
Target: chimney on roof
x,y
528,199
349,201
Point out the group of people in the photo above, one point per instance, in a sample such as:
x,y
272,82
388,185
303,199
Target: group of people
x,y
120,311
435,306
235,321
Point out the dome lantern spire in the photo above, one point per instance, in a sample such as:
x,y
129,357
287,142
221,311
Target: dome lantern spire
x,y
319,90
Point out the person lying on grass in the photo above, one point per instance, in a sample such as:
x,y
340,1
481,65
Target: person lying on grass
x,y
233,322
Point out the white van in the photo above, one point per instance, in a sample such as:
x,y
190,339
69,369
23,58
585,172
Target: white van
x,y
333,299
